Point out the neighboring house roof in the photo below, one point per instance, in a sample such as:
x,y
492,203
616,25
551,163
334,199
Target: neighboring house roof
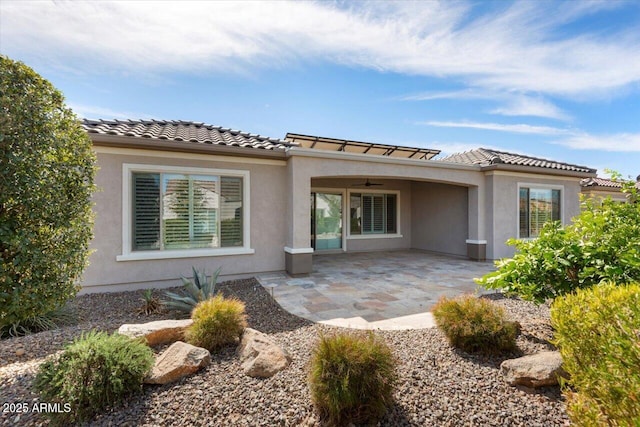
x,y
360,147
185,132
604,183
488,157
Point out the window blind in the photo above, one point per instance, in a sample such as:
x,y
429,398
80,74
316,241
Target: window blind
x,y
231,211
146,211
180,211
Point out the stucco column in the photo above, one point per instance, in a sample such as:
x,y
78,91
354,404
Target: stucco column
x,y
298,253
477,243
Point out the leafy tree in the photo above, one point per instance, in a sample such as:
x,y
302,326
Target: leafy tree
x,y
602,243
47,169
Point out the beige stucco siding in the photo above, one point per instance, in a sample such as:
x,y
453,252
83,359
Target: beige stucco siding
x,y
503,206
439,214
268,183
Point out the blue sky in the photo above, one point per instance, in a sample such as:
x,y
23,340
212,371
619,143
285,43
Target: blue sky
x,y
559,80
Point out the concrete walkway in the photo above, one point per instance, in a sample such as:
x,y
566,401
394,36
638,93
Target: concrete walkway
x,y
375,290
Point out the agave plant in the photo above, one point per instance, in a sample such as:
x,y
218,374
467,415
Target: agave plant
x,y
151,304
197,289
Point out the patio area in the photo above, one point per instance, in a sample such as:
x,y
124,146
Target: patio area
x,y
375,290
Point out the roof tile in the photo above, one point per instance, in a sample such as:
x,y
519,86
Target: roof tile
x,y
487,157
183,132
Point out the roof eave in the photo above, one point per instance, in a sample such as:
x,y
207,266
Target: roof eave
x,y
182,146
538,170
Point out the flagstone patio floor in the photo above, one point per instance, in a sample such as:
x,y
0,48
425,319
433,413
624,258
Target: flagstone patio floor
x,y
375,290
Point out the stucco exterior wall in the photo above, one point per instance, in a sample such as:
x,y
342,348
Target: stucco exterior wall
x,y
503,206
268,200
439,215
305,167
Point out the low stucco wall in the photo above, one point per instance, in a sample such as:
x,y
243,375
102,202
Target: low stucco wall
x,y
267,233
439,218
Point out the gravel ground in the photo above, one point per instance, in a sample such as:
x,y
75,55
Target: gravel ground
x,y
437,385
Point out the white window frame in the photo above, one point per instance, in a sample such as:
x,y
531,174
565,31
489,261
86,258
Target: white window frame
x,y
397,234
536,186
127,214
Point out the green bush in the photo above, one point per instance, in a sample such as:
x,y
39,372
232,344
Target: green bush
x,y
216,322
602,243
475,324
96,371
598,334
46,182
197,290
351,378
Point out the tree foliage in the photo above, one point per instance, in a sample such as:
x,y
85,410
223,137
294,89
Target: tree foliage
x,y
602,243
47,169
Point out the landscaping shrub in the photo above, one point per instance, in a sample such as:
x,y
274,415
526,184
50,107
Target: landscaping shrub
x,y
46,182
198,289
352,378
216,322
151,304
96,371
598,334
602,243
475,324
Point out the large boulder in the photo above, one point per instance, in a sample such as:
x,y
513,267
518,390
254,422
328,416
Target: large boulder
x,y
179,360
158,332
537,370
260,356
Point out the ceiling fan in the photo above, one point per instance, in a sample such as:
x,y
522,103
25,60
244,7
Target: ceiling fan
x,y
367,183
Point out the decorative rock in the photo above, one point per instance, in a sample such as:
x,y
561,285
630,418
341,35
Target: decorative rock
x,y
159,332
260,356
179,360
537,370
20,352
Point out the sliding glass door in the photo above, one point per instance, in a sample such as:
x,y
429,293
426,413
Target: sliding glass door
x,y
326,221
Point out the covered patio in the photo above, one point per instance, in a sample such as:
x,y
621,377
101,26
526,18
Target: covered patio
x,y
375,290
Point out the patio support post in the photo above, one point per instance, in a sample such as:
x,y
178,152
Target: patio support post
x,y
298,253
476,243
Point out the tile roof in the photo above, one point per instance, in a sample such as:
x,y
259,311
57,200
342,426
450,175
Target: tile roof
x,y
488,157
182,131
603,182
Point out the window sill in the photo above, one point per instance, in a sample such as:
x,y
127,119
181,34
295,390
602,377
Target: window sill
x,y
374,236
186,253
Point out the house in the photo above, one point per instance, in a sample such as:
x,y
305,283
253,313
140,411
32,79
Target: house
x,y
177,194
602,188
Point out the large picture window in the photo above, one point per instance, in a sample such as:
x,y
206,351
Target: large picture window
x,y
178,212
374,213
537,206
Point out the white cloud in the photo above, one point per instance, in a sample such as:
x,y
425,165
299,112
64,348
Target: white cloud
x,y
515,128
529,106
96,112
572,138
513,104
624,142
455,94
509,47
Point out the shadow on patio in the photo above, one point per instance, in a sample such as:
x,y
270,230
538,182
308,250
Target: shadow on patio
x,y
375,290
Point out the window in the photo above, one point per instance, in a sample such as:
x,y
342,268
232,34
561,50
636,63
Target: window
x,y
373,213
178,212
537,206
